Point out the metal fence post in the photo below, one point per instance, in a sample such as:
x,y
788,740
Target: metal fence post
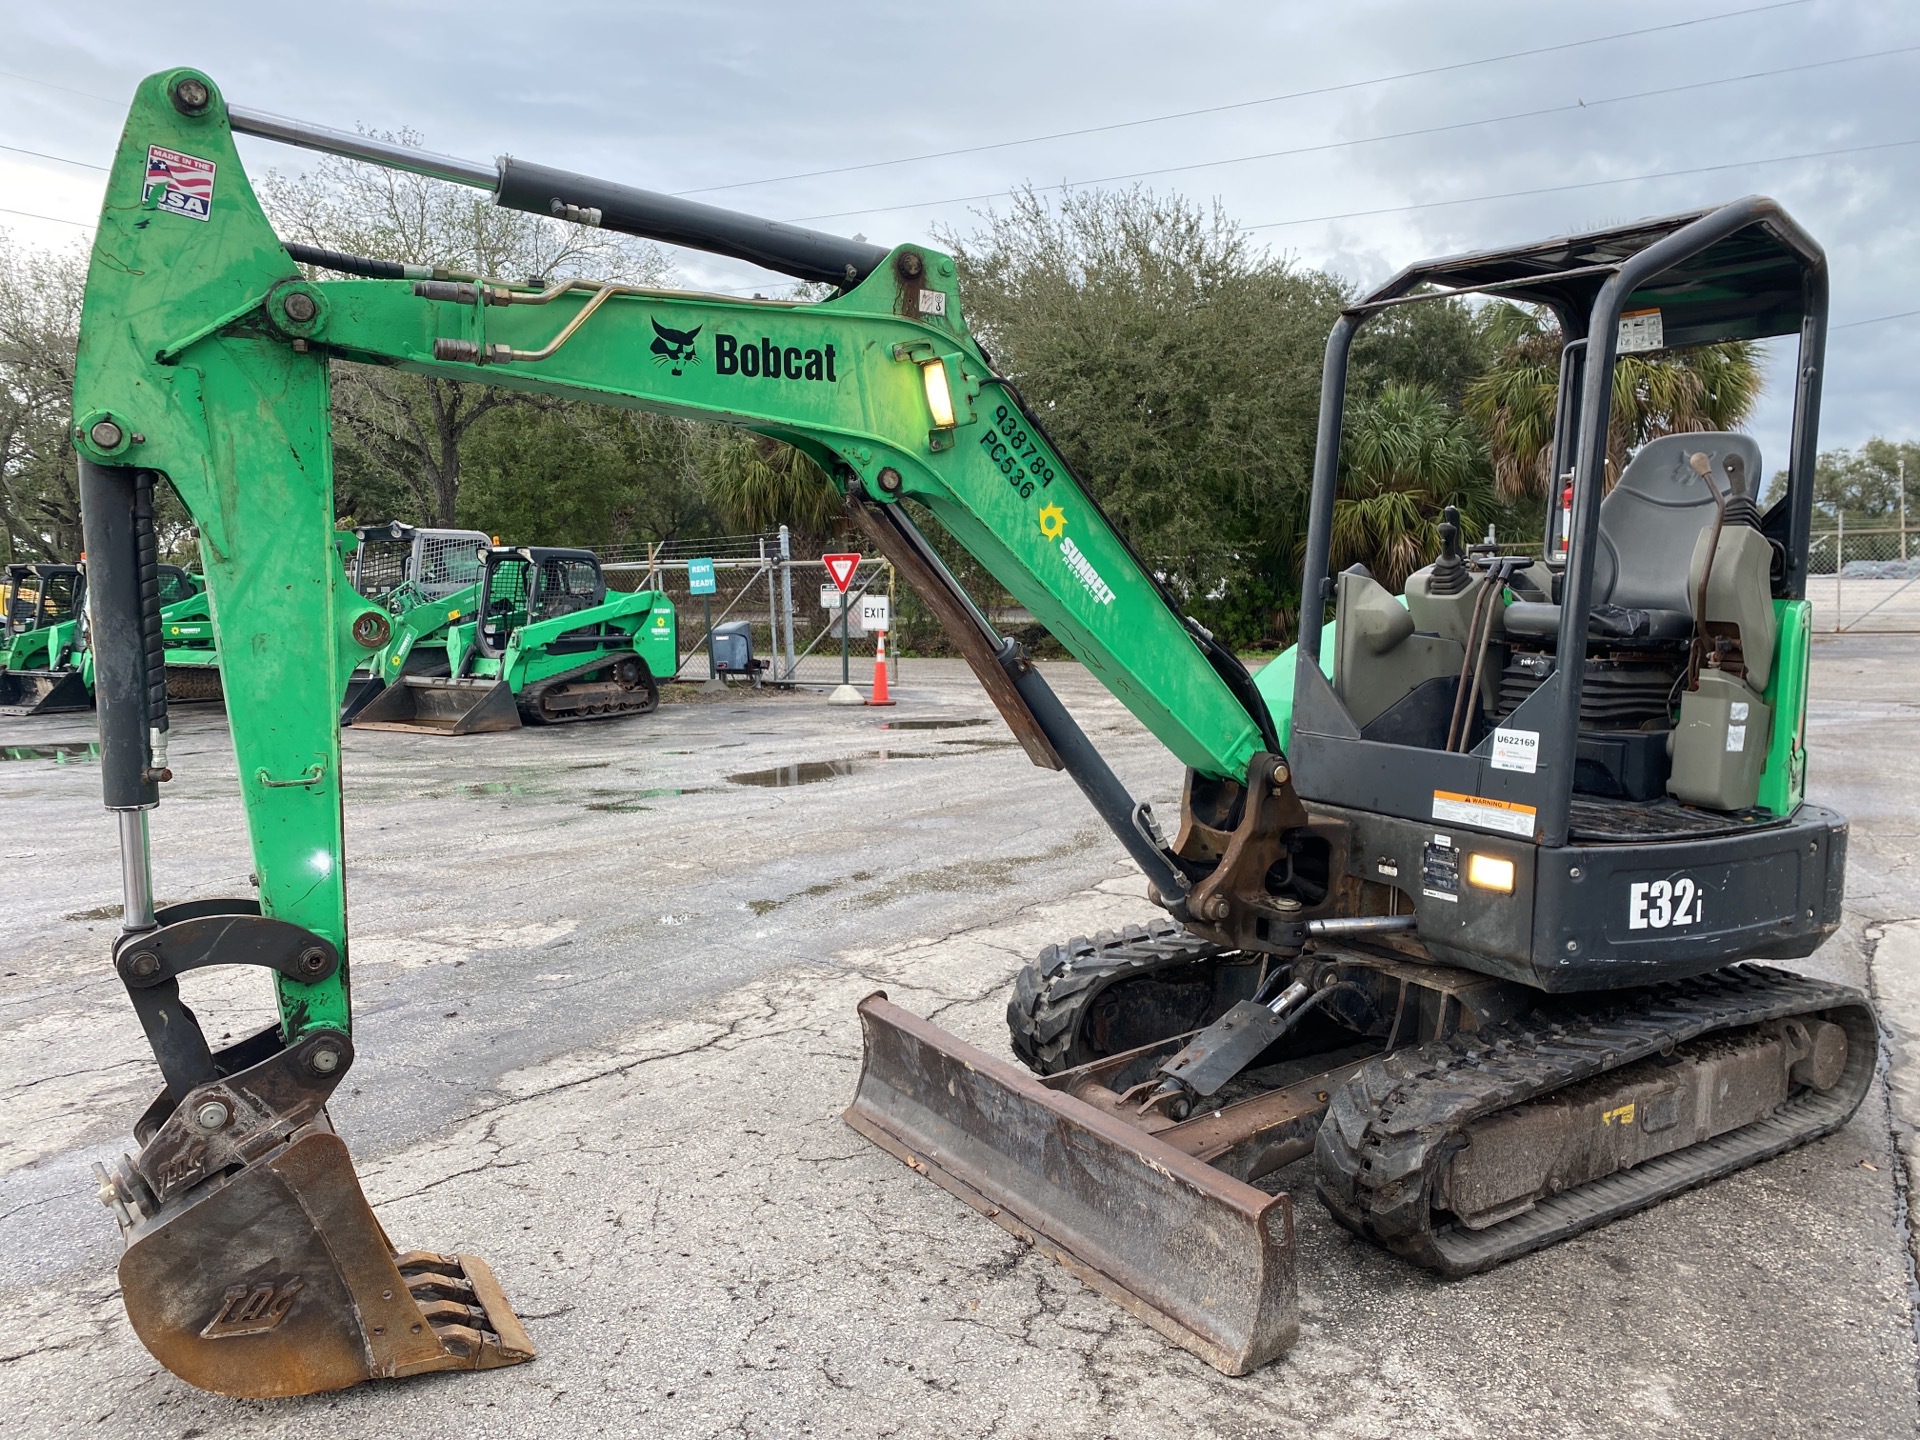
x,y
1839,564
773,604
786,596
893,612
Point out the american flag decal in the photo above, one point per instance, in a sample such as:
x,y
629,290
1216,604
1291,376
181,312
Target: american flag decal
x,y
182,183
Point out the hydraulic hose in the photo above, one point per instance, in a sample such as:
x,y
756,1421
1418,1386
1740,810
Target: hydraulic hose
x,y
147,557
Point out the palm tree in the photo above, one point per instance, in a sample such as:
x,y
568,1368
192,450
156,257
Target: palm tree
x,y
762,484
1664,392
1406,455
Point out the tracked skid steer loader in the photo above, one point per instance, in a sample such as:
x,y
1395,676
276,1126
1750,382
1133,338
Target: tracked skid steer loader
x,y
542,638
1466,896
38,675
426,579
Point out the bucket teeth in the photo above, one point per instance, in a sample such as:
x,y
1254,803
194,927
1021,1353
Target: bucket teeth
x,y
466,1307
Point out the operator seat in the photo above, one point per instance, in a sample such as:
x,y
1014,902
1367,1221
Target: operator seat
x,y
1649,525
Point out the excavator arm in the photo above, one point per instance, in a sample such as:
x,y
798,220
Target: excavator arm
x,y
204,360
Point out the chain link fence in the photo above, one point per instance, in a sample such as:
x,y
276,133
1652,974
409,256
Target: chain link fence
x,y
1866,580
780,596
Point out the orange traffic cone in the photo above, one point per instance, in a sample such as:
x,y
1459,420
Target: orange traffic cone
x,y
880,696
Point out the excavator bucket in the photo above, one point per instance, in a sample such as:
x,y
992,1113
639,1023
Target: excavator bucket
x,y
435,705
276,1280
1204,1258
42,692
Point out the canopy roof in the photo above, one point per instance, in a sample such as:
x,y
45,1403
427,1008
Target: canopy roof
x,y
1748,285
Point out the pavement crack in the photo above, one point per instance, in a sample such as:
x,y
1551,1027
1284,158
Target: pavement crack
x,y
1903,1194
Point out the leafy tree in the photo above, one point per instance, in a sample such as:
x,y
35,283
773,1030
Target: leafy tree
x,y
411,428
1709,387
1863,484
1443,345
575,474
1405,455
40,293
761,484
1177,370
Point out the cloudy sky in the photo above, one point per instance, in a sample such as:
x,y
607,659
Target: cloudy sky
x,y
1357,136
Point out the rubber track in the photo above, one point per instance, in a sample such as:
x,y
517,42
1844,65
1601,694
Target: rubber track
x,y
1392,1129
529,699
1053,992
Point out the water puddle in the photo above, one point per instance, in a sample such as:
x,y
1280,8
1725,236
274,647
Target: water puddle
x,y
500,787
812,772
929,724
77,754
806,772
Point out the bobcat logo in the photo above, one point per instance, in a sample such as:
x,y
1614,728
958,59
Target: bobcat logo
x,y
674,347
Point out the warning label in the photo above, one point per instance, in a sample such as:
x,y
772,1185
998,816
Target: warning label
x,y
1640,330
1506,816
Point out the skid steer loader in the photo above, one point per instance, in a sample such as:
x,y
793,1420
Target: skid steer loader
x,y
38,675
58,671
1463,902
426,579
543,640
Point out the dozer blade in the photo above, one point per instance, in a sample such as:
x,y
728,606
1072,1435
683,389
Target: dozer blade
x,y
432,705
1205,1259
42,692
277,1280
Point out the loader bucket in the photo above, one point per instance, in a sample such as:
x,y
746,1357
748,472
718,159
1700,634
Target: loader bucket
x,y
42,692
441,706
1205,1259
278,1281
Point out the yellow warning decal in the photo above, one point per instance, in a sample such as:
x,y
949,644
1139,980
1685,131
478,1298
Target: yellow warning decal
x,y
1507,816
1621,1115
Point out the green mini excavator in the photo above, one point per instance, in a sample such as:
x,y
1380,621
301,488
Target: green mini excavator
x,y
1467,902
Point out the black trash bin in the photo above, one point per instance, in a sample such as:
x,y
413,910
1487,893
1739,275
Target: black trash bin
x,y
733,649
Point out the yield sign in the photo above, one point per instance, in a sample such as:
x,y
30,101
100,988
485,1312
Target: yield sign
x,y
841,568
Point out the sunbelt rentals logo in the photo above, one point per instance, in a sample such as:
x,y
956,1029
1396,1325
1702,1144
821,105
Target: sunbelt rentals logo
x,y
1053,525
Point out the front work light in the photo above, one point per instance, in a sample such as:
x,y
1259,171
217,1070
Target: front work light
x,y
1490,872
939,398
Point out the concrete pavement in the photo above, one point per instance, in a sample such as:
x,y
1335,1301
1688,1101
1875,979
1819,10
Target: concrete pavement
x,y
605,979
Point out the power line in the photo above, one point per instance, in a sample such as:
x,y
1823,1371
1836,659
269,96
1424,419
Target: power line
x,y
1565,108
43,155
83,224
1265,100
1582,185
1903,315
65,89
